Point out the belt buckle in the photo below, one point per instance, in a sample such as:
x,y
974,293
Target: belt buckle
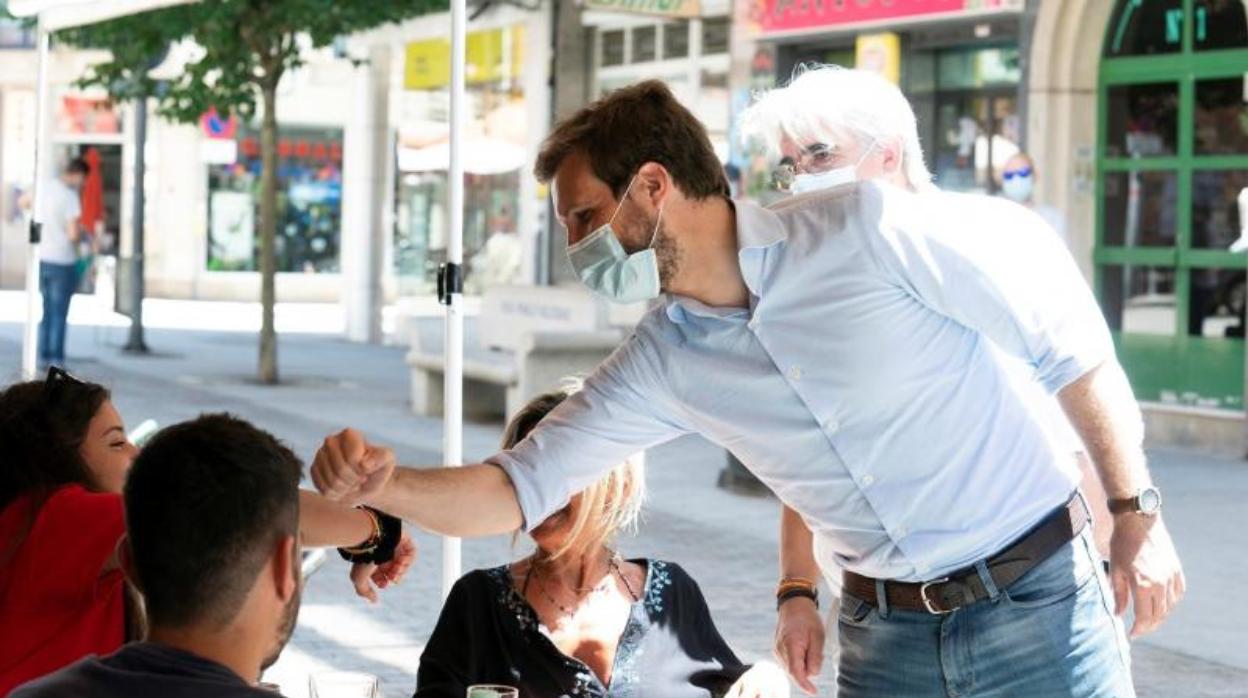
x,y
927,603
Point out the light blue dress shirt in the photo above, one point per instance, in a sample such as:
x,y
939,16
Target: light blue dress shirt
x,y
866,384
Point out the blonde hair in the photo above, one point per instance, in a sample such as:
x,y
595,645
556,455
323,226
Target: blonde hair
x,y
827,104
611,505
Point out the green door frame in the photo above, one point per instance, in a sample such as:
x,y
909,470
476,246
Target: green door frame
x,y
1207,372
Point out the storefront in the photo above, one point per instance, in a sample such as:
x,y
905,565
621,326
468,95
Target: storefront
x,y
1172,151
506,112
956,60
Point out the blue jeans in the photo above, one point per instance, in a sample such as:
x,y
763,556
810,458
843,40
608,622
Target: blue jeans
x,y
56,285
1051,633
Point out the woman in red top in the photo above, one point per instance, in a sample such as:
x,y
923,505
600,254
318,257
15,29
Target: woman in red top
x,y
62,595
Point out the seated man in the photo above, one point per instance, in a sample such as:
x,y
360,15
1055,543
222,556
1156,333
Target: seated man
x,y
212,514
576,618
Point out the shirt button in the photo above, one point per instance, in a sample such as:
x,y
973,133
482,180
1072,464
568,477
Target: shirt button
x,y
901,532
868,480
831,424
795,373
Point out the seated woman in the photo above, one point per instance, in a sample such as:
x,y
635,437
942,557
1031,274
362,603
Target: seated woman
x,y
576,619
62,594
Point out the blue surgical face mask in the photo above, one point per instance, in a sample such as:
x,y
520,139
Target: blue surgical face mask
x,y
602,264
803,183
1019,188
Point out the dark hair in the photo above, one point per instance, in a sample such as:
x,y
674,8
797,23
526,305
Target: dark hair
x,y
527,417
206,502
78,166
632,126
43,430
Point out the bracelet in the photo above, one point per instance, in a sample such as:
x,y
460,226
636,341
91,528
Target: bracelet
x,y
378,549
796,592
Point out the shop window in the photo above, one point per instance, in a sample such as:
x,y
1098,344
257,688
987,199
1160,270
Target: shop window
x,y
676,40
1215,208
1220,24
1139,299
1222,116
309,203
1140,209
1143,120
645,44
1145,27
715,35
1216,305
612,47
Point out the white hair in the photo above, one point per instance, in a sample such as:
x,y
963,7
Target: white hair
x,y
829,104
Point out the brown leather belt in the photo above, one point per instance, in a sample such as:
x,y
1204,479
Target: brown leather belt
x,y
964,587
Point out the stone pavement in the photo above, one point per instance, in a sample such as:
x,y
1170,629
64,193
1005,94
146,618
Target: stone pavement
x,y
726,541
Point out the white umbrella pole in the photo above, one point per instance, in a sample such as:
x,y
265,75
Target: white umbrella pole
x,y
30,337
452,436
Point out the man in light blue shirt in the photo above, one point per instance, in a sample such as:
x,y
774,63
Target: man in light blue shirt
x,y
840,344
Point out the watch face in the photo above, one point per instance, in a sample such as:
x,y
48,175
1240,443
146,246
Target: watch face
x,y
1150,500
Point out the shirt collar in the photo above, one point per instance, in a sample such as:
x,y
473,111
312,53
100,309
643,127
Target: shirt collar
x,y
758,228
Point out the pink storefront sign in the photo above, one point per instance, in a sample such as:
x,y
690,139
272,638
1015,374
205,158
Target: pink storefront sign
x,y
799,16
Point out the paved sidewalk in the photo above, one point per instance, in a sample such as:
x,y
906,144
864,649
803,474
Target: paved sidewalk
x,y
728,542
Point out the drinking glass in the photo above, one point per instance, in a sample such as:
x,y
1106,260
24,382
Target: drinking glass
x,y
343,684
493,691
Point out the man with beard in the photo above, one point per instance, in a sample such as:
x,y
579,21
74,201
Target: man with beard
x,y
212,513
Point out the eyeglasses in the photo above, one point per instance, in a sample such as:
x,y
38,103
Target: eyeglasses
x,y
814,158
1020,172
56,380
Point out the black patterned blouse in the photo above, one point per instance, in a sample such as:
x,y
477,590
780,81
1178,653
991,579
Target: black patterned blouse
x,y
489,634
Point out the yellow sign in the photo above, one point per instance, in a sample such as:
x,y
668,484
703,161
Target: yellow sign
x,y
491,55
665,8
879,53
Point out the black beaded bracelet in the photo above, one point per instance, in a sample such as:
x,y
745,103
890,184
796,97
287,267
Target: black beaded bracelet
x,y
382,550
795,592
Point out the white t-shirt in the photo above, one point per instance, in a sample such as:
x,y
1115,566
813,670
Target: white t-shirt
x,y
60,205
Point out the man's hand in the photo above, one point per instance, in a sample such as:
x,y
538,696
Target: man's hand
x,y
367,577
799,641
1143,565
763,680
349,469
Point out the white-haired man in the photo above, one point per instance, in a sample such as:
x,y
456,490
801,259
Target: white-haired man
x,y
831,126
838,344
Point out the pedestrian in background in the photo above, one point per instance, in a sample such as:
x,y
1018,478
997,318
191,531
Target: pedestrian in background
x,y
58,257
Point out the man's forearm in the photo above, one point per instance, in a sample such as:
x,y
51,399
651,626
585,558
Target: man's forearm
x,y
797,554
473,500
1103,410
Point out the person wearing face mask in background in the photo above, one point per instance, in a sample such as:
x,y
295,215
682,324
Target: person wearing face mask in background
x,y
856,126
1018,184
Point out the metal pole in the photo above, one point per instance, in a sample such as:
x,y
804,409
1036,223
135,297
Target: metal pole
x,y
452,437
30,337
135,342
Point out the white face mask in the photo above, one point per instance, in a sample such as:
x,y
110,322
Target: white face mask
x,y
1018,188
602,264
839,176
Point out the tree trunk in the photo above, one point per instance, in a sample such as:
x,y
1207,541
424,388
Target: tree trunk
x,y
268,236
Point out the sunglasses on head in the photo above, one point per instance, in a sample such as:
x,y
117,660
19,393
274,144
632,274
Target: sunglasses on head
x,y
56,380
1020,172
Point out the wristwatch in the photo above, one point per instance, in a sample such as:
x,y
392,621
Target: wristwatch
x,y
1147,502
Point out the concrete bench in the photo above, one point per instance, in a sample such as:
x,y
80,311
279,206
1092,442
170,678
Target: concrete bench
x,y
497,382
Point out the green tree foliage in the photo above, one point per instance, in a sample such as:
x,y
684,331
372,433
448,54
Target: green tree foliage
x,y
244,47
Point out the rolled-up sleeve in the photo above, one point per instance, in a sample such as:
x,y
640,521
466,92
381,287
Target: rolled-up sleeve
x,y
997,268
623,409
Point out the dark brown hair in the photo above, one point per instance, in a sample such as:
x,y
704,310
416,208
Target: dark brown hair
x,y
632,126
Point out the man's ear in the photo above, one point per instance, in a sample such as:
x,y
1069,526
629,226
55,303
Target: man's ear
x,y
286,567
654,183
891,153
125,560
